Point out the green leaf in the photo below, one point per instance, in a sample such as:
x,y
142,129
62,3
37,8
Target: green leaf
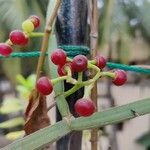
x,y
21,80
99,119
59,87
31,81
23,91
10,109
15,135
13,101
12,123
10,106
27,84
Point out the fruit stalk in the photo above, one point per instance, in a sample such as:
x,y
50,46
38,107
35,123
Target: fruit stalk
x,y
88,90
36,34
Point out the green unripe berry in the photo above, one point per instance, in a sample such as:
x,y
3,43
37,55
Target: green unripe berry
x,y
27,26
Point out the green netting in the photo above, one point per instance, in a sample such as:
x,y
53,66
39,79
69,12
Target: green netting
x,y
73,50
128,68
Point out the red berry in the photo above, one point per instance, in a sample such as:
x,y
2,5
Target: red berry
x,y
100,61
35,20
61,69
79,63
84,107
44,86
17,37
59,57
120,77
5,49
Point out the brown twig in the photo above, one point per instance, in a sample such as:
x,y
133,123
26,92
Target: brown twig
x,y
93,14
52,105
47,32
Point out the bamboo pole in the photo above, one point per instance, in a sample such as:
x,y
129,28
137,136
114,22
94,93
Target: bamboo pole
x,y
93,14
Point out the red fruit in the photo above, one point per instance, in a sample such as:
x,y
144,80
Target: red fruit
x,y
61,69
84,107
59,57
35,20
17,37
120,77
44,86
5,49
79,63
100,61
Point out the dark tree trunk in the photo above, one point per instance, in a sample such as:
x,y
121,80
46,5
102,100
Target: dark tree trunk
x,y
71,27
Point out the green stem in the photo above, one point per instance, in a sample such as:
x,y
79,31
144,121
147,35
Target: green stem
x,y
36,34
108,74
78,84
54,132
69,78
91,66
54,81
87,91
69,59
80,76
72,90
68,70
95,78
92,62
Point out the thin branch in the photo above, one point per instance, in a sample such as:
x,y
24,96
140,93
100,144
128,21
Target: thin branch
x,y
94,27
44,46
52,105
93,15
47,33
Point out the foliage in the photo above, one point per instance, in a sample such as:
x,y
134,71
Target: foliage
x,y
15,135
19,11
117,30
67,125
25,85
52,133
16,105
11,106
12,123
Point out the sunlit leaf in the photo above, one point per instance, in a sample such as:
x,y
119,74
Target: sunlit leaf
x,y
15,135
12,123
21,80
10,109
10,106
13,101
23,91
27,84
31,80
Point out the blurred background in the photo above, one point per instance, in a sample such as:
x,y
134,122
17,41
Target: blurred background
x,y
124,37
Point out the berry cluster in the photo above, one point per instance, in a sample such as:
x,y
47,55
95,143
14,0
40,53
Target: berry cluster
x,y
66,67
19,37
